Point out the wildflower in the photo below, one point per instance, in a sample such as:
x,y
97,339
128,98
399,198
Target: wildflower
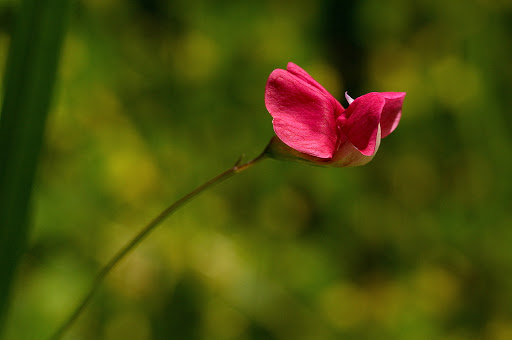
x,y
312,126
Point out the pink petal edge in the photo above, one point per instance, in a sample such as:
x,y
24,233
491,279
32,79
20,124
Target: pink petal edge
x,y
391,112
302,74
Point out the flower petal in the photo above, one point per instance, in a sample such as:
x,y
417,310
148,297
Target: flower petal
x,y
391,112
361,120
304,115
349,155
299,72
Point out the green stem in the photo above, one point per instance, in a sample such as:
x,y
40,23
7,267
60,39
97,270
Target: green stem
x,y
142,235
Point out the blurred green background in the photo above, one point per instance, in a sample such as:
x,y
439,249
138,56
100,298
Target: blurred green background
x,y
155,97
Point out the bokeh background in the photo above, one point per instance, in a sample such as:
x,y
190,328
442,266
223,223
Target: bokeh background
x,y
155,97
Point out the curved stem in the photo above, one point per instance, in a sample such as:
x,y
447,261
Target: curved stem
x,y
142,235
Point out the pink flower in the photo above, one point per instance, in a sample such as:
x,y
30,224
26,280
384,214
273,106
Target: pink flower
x,y
312,126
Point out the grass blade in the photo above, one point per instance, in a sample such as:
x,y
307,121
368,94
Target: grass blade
x,y
29,79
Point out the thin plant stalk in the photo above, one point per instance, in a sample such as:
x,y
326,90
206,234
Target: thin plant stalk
x,y
142,234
